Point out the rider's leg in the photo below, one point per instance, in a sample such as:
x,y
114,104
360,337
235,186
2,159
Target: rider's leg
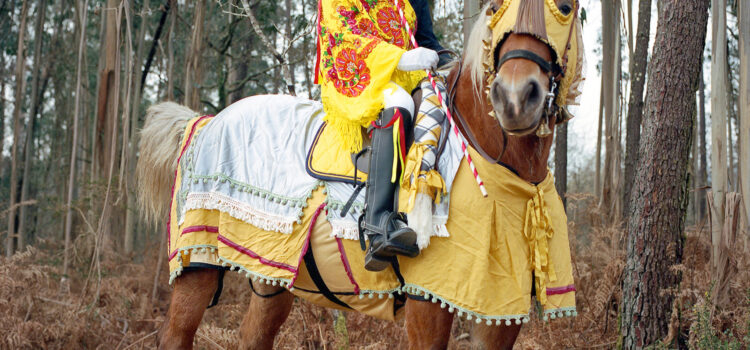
x,y
386,230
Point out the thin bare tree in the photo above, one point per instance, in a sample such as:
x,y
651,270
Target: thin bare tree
x,y
744,108
719,102
82,20
18,106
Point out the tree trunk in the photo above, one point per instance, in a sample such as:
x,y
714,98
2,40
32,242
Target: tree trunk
x,y
193,71
744,109
610,64
657,216
561,161
130,210
82,12
718,121
471,10
639,60
108,86
702,172
33,110
18,105
170,50
598,159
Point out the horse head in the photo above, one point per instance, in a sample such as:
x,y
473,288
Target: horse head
x,y
523,65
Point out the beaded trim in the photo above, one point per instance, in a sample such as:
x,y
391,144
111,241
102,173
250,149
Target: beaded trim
x,y
469,315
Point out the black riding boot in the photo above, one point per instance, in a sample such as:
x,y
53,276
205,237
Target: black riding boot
x,y
384,226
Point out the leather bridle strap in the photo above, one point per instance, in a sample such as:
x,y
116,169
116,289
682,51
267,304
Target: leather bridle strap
x,y
545,65
461,121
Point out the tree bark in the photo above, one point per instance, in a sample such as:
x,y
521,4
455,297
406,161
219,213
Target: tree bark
x,y
610,65
193,68
718,122
18,105
561,162
744,109
702,172
34,109
657,217
108,86
639,60
598,159
82,6
471,10
170,50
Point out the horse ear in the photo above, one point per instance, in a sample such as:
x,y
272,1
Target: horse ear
x,y
493,7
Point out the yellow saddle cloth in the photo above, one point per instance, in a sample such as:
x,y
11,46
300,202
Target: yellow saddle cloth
x,y
329,160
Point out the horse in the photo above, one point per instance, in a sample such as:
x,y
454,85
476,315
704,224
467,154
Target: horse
x,y
509,124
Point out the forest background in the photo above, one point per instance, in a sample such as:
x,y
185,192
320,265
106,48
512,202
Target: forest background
x,y
81,267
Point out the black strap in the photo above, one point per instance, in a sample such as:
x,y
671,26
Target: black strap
x,y
219,287
545,65
358,188
271,295
312,269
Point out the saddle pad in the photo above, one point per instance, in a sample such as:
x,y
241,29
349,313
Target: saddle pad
x,y
327,160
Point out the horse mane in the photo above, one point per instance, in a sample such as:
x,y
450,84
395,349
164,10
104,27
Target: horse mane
x,y
474,50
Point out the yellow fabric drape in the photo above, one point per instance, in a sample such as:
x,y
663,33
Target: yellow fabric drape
x,y
360,44
538,231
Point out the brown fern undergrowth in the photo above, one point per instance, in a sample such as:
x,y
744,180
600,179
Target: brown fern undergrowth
x,y
39,312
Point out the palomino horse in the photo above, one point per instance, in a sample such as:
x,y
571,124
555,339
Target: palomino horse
x,y
516,138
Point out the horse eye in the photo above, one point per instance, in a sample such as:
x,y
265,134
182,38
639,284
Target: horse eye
x,y
566,9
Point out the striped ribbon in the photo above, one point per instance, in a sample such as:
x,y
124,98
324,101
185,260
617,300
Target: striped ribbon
x,y
445,107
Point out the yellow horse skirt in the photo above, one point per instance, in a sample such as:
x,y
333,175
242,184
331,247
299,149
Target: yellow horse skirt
x,y
499,247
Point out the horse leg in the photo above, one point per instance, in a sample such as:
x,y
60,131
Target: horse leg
x,y
494,337
428,326
265,316
192,293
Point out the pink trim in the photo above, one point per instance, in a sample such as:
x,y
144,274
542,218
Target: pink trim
x,y
253,255
171,256
306,246
211,229
169,215
348,268
561,290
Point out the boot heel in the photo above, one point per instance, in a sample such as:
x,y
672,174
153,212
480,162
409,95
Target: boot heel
x,y
373,263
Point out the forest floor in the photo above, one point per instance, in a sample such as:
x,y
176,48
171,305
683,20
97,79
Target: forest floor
x,y
37,311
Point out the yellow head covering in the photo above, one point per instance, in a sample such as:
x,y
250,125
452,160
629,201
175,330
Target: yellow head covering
x,y
544,20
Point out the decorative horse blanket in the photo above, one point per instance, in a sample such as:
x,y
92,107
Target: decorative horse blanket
x,y
244,200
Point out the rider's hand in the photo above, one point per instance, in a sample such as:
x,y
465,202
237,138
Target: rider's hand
x,y
418,59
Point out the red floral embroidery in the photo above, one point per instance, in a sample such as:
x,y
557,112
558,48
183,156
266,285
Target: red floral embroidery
x,y
350,74
390,23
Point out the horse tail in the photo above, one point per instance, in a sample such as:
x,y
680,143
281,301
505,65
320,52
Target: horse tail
x,y
159,149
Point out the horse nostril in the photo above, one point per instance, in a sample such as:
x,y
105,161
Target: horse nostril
x,y
533,95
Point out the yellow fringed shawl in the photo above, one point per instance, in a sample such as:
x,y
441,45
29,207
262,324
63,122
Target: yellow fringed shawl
x,y
359,45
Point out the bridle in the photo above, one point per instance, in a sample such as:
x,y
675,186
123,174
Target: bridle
x,y
554,72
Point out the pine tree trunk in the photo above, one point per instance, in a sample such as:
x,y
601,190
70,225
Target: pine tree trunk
x,y
718,122
744,109
657,216
471,10
639,60
18,105
561,161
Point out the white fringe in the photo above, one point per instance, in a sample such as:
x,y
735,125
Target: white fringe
x,y
344,229
240,211
420,219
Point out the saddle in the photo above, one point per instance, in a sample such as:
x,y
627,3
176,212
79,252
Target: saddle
x,y
326,160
